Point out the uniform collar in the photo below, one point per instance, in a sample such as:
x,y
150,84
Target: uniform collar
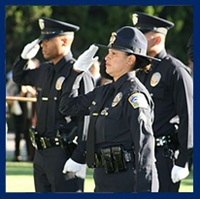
x,y
123,79
62,62
162,54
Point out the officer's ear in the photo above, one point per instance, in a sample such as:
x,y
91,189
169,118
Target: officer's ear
x,y
64,41
131,59
158,39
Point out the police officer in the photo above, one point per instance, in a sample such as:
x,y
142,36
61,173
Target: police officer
x,y
171,88
54,135
120,143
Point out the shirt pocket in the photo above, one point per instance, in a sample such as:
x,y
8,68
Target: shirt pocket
x,y
115,113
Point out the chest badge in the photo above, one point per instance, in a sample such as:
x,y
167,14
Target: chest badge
x,y
155,79
59,83
117,99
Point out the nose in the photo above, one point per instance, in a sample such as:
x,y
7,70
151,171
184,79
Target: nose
x,y
107,57
43,43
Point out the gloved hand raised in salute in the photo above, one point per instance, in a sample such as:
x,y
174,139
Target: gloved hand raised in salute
x,y
31,49
86,59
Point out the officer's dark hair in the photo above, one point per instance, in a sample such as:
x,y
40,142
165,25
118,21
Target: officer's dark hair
x,y
141,62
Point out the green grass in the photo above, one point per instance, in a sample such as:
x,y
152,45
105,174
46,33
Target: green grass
x,y
19,178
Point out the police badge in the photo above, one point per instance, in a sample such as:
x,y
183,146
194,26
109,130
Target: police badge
x,y
59,83
155,79
117,99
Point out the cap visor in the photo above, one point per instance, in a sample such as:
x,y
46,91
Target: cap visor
x,y
128,51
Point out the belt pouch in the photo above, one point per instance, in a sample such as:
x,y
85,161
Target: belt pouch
x,y
118,159
107,160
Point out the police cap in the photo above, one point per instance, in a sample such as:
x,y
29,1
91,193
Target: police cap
x,y
51,28
147,23
130,40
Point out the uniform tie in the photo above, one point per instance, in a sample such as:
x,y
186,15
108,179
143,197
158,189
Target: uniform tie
x,y
90,146
42,117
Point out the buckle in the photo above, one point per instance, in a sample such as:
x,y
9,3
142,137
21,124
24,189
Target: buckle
x,y
43,142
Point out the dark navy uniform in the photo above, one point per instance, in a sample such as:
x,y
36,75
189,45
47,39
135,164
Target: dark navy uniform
x,y
171,88
124,121
54,157
170,84
53,130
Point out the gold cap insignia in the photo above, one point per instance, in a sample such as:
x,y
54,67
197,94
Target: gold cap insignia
x,y
117,99
41,24
112,38
155,79
59,83
135,19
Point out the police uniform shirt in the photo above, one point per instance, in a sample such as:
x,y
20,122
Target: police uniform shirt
x,y
38,78
171,88
125,119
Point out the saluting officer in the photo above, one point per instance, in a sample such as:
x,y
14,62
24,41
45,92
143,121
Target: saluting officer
x,y
54,134
171,88
120,143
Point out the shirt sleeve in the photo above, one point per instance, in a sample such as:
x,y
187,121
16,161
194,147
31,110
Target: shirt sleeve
x,y
183,99
138,114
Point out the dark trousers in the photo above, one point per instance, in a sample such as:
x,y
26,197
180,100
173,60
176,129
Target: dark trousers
x,y
114,182
48,176
164,166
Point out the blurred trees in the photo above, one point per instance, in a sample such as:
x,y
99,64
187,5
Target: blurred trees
x,y
96,22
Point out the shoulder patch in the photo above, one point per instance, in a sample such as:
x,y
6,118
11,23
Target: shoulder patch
x,y
138,100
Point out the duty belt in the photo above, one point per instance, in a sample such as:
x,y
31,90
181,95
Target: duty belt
x,y
114,159
41,143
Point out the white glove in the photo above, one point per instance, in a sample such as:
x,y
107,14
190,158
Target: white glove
x,y
179,173
86,59
31,49
72,166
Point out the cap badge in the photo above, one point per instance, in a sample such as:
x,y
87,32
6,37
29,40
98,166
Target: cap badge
x,y
117,99
41,24
155,79
112,38
59,83
135,19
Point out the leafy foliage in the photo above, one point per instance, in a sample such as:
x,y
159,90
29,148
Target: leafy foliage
x,y
96,22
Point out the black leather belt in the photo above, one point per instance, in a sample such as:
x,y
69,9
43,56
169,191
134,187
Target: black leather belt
x,y
41,143
45,142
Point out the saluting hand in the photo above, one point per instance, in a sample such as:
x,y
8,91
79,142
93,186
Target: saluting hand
x,y
31,49
86,59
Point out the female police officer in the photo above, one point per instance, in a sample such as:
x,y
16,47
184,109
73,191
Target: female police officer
x,y
120,143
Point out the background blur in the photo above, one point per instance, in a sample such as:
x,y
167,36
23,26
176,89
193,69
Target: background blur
x,y
96,24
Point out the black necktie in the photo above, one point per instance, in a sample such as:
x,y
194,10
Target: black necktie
x,y
42,117
90,146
